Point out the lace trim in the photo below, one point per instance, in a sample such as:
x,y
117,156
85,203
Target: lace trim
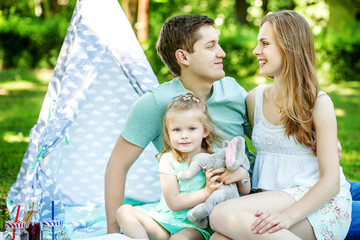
x,y
269,138
258,113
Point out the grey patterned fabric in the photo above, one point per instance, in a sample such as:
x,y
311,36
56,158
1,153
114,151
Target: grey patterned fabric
x,y
100,72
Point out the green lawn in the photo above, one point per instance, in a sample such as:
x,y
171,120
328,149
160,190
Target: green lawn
x,y
21,97
22,94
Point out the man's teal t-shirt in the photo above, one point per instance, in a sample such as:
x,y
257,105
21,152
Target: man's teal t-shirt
x,y
226,107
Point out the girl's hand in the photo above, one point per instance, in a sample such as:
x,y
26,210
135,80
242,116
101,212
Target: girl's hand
x,y
269,221
228,177
212,181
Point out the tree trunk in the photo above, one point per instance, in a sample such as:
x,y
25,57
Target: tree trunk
x,y
143,20
241,7
265,7
54,6
129,7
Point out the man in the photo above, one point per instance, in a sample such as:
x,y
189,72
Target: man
x,y
189,47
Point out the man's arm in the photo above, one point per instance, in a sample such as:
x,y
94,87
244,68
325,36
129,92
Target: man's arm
x,y
122,158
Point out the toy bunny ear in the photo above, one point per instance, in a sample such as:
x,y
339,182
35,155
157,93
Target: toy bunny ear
x,y
230,152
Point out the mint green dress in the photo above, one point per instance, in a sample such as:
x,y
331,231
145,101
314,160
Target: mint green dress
x,y
176,221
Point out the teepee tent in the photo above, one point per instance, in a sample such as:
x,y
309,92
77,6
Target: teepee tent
x,y
100,72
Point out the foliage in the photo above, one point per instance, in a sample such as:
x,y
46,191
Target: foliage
x,y
42,40
239,62
339,54
337,37
28,40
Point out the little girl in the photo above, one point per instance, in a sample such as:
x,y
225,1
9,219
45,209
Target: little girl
x,y
187,130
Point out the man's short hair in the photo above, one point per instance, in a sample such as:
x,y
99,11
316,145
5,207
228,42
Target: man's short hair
x,y
179,32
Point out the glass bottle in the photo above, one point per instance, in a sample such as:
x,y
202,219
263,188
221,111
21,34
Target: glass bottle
x,y
34,225
53,230
15,230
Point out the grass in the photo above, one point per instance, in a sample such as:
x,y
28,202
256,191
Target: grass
x,y
21,97
22,93
346,98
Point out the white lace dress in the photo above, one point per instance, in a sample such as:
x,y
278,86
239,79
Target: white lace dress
x,y
281,163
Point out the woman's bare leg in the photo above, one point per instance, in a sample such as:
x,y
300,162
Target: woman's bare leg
x,y
136,224
234,218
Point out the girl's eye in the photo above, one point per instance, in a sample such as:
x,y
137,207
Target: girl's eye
x,y
265,43
176,129
192,129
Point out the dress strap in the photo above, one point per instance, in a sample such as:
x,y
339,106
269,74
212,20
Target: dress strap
x,y
320,93
259,102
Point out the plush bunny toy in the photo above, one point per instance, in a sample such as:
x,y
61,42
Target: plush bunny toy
x,y
231,155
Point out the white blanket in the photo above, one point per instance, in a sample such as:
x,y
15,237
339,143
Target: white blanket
x,y
113,236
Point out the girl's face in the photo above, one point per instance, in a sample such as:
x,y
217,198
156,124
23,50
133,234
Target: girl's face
x,y
186,132
268,52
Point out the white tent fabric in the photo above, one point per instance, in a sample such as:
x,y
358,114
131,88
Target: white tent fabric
x,y
100,72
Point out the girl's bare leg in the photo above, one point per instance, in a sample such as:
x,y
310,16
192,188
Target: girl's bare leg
x,y
187,234
234,218
218,236
136,224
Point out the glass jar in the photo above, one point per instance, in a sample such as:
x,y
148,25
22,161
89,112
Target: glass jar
x,y
34,226
15,230
53,230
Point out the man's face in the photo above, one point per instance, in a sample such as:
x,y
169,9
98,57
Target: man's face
x,y
205,63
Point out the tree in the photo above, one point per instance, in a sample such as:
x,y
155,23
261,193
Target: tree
x,y
142,24
241,7
129,7
342,13
143,20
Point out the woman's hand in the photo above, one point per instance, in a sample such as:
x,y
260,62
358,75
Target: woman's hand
x,y
269,221
212,181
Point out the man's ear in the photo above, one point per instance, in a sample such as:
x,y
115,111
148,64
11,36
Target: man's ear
x,y
182,56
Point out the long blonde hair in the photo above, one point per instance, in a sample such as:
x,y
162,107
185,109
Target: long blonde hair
x,y
295,38
185,103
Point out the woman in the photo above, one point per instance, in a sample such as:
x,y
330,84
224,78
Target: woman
x,y
302,196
